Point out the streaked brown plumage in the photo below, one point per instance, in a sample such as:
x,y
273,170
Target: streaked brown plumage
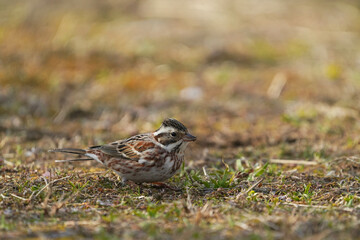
x,y
149,157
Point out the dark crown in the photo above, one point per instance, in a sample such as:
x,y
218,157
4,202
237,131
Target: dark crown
x,y
171,122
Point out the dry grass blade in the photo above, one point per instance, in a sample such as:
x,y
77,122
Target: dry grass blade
x,y
47,185
18,197
37,192
296,162
320,206
277,85
249,189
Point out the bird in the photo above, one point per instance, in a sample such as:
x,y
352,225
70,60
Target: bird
x,y
144,158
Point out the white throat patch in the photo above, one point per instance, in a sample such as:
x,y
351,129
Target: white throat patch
x,y
171,146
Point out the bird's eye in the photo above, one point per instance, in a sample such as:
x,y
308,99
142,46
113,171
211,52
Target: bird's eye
x,y
173,134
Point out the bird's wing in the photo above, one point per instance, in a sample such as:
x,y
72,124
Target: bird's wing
x,y
130,148
120,151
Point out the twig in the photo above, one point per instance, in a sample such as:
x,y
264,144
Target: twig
x,y
249,189
21,198
352,159
50,183
205,208
45,179
205,173
76,223
277,85
2,195
9,163
33,193
319,206
24,199
299,162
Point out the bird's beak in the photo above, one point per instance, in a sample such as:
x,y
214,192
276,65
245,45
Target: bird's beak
x,y
189,138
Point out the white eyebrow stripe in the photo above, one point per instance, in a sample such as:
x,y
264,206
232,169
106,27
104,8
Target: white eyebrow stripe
x,y
164,130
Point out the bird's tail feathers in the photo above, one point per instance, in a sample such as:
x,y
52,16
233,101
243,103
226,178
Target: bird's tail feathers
x,y
69,150
76,151
74,160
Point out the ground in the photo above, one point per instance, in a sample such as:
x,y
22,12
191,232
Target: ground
x,y
271,89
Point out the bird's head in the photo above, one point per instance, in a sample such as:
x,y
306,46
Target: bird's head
x,y
172,134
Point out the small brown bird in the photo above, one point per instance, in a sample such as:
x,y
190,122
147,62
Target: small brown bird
x,y
149,157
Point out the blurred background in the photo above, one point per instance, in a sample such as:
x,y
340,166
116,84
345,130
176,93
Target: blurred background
x,y
259,79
